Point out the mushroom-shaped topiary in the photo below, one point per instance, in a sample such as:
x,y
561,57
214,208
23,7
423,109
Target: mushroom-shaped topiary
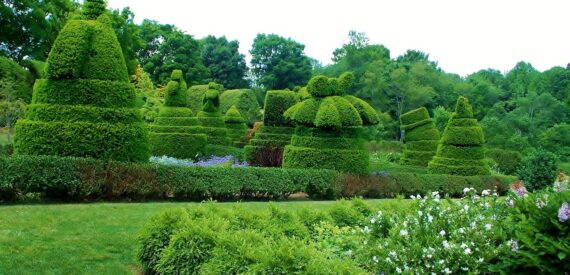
x,y
460,150
176,132
266,147
213,124
86,106
328,124
421,137
237,129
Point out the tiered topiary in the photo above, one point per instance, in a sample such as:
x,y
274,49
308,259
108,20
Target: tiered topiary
x,y
328,126
176,132
421,137
460,150
244,100
85,106
237,129
266,147
196,95
213,124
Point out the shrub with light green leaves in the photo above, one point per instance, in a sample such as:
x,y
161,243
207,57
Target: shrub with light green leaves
x,y
196,95
507,160
85,106
237,129
245,101
328,128
15,81
421,137
461,149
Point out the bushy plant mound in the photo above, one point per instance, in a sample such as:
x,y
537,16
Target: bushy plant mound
x,y
266,147
85,106
15,77
538,169
176,132
244,100
507,161
213,125
237,129
421,137
196,95
461,149
328,128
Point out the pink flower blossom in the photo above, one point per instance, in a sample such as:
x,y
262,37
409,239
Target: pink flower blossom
x,y
564,212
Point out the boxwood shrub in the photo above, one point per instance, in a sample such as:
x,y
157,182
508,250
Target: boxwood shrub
x,y
237,129
421,137
244,100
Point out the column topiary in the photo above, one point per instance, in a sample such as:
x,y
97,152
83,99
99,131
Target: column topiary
x,y
421,137
213,124
85,106
266,147
176,132
328,126
460,150
237,129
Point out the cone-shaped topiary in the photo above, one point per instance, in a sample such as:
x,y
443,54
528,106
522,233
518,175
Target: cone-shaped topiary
x,y
266,147
328,126
85,106
176,132
213,124
421,138
460,150
237,129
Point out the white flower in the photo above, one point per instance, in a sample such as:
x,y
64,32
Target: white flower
x,y
446,270
480,260
488,226
466,207
388,259
420,213
486,192
445,244
463,245
379,214
375,259
365,230
403,232
510,202
442,233
514,245
398,270
465,190
430,218
467,251
412,197
372,220
418,196
393,254
473,224
461,230
441,262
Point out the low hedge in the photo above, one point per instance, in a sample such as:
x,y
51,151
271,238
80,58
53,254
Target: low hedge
x,y
178,145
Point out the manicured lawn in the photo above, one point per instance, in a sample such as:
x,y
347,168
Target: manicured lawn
x,y
94,238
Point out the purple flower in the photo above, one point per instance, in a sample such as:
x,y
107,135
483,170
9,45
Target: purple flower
x,y
518,188
563,212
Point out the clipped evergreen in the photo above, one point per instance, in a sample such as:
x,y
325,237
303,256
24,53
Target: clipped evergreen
x,y
196,95
237,129
460,150
266,147
421,137
85,106
328,128
244,100
213,125
176,132
15,78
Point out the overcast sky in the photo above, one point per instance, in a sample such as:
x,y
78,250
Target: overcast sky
x,y
463,36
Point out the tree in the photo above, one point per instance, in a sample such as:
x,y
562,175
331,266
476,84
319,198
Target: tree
x,y
29,27
279,63
128,34
357,41
224,62
167,49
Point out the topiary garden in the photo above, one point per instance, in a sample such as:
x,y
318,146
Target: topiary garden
x,y
237,129
244,100
421,137
213,125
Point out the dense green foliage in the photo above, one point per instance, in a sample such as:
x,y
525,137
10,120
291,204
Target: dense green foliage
x,y
279,63
266,147
461,149
538,169
225,64
244,100
421,138
86,75
15,81
237,129
507,161
196,95
175,94
213,124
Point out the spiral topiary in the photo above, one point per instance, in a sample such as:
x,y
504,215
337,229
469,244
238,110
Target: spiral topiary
x,y
176,132
266,147
237,129
461,150
421,138
328,128
213,124
85,106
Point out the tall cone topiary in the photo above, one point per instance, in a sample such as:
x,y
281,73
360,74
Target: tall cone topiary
x,y
266,147
85,106
460,150
421,137
237,128
328,126
213,124
176,132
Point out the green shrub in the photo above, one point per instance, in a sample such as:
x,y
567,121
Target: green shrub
x,y
196,95
179,145
237,129
276,103
175,94
93,9
506,160
538,169
421,147
15,80
244,100
73,109
460,150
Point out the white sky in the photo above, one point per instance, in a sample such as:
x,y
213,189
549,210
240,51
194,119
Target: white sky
x,y
463,36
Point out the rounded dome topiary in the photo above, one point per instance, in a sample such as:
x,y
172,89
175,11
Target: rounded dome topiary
x,y
88,97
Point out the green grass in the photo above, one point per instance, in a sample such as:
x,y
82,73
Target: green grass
x,y
92,238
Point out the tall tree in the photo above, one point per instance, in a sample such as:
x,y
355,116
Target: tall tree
x,y
279,63
225,64
128,34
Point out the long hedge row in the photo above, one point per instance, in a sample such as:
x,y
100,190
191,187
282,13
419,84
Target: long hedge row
x,y
68,178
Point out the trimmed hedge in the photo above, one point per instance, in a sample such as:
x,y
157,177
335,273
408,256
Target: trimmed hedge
x,y
507,160
196,95
276,103
86,106
461,150
244,100
237,129
13,74
176,94
213,125
421,137
178,145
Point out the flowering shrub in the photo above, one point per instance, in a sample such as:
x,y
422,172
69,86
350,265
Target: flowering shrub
x,y
227,161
